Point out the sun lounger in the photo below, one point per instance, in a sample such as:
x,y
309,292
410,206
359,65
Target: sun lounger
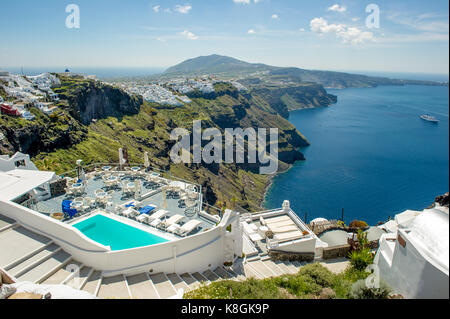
x,y
288,236
130,212
188,228
158,215
277,219
143,218
173,229
155,223
172,221
283,229
146,210
281,223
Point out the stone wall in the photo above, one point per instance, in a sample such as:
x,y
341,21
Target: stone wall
x,y
290,256
57,187
336,252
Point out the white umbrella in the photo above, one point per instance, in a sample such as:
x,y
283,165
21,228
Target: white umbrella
x,y
82,175
146,160
122,160
137,192
164,194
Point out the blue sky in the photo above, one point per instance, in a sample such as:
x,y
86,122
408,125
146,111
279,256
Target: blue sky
x,y
328,35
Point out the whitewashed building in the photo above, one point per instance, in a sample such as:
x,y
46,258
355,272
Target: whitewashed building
x,y
414,258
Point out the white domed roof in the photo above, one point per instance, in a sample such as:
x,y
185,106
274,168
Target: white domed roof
x,y
431,230
318,220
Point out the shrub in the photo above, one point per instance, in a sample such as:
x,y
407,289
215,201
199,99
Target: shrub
x,y
299,285
362,239
340,223
358,224
360,259
361,291
318,273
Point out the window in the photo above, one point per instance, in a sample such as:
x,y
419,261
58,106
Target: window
x,y
20,163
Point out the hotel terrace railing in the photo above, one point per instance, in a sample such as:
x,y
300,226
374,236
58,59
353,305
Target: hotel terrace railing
x,y
94,167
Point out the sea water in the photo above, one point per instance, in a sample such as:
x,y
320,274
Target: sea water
x,y
370,154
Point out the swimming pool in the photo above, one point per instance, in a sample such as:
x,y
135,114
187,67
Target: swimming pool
x,y
117,235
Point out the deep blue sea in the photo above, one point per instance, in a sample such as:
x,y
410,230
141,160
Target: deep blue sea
x,y
370,154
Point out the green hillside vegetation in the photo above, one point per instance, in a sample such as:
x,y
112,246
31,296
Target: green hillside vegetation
x,y
313,281
94,120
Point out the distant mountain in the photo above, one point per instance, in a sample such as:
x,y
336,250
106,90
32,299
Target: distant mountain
x,y
215,64
230,67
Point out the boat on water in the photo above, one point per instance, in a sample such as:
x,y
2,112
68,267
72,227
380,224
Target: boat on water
x,y
429,118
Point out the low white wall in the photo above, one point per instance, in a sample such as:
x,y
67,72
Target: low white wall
x,y
62,234
307,245
195,253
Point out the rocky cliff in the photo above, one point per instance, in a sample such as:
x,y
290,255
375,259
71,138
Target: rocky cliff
x,y
90,99
295,97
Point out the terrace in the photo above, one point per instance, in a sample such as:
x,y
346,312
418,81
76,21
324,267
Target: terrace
x,y
151,199
276,230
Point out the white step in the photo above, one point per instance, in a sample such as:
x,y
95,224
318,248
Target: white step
x,y
93,283
190,281
200,278
236,276
284,268
141,287
291,267
208,274
115,287
83,276
46,268
177,282
36,258
250,272
222,273
61,275
18,244
163,285
261,269
273,267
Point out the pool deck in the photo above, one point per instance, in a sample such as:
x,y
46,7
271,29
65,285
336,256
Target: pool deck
x,y
54,205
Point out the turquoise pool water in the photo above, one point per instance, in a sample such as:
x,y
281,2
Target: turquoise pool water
x,y
117,235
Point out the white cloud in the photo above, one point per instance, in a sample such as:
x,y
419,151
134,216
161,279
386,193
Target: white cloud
x,y
302,30
188,35
183,9
251,31
156,8
275,16
347,34
337,8
246,1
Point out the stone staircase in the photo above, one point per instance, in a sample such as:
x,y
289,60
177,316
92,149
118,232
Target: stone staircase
x,y
31,257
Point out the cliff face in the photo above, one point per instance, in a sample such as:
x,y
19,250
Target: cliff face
x,y
285,99
92,100
44,134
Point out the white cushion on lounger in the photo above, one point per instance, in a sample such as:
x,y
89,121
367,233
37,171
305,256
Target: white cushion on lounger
x,y
173,228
